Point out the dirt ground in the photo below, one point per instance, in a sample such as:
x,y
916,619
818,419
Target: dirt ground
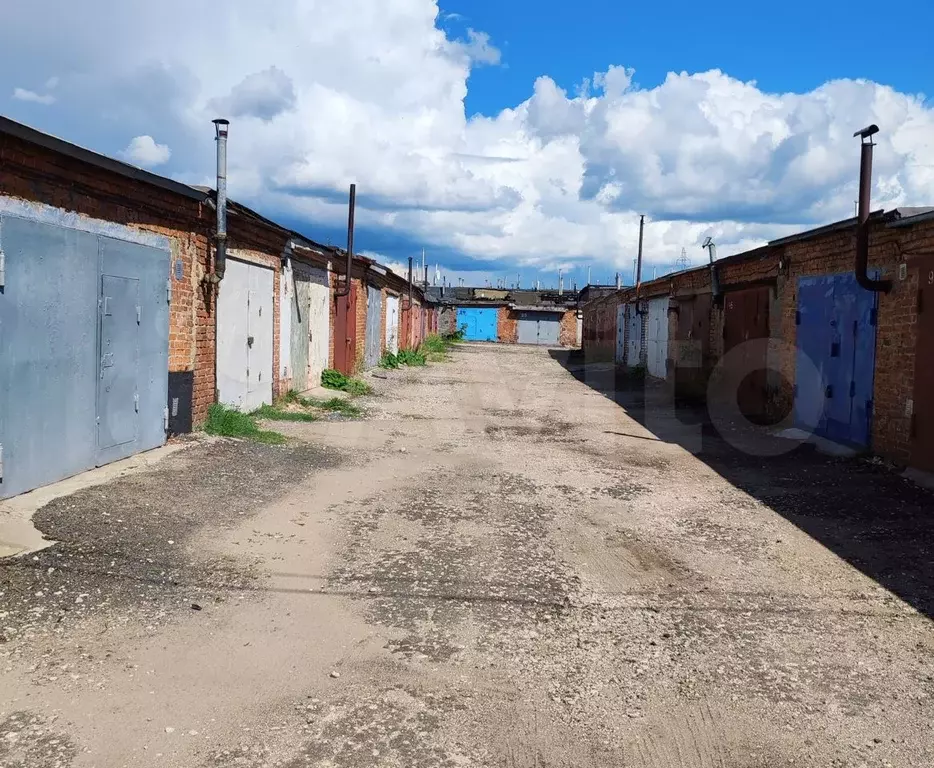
x,y
513,560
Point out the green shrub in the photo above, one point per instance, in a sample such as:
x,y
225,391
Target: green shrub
x,y
389,360
229,422
411,357
331,379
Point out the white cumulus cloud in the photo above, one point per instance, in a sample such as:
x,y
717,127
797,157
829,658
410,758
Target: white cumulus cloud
x,y
23,94
322,93
146,153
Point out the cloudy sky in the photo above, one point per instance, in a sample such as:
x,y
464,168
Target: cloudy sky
x,y
504,138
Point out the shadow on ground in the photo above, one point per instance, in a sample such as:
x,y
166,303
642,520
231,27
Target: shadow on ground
x,y
862,510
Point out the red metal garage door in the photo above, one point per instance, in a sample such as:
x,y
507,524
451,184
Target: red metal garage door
x,y
745,319
922,443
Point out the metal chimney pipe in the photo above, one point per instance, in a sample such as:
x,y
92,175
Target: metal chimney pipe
x,y
714,278
862,214
639,258
351,210
220,236
619,282
410,283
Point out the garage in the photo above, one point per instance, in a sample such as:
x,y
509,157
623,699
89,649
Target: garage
x,y
541,328
310,326
633,336
478,323
620,334
835,358
245,336
656,338
84,328
374,321
392,323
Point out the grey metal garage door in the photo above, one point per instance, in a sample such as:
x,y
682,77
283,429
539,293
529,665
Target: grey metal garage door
x,y
374,323
539,328
84,329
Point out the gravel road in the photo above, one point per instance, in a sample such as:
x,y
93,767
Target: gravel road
x,y
512,560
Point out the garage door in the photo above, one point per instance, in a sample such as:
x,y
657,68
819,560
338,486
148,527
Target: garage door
x,y
633,336
479,323
539,328
244,336
835,360
392,324
656,338
84,329
620,334
374,321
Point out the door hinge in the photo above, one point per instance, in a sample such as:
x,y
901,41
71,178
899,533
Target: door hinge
x,y
139,313
829,391
2,269
136,402
1,462
168,290
165,418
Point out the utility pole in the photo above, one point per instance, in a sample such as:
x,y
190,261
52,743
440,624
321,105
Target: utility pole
x,y
560,283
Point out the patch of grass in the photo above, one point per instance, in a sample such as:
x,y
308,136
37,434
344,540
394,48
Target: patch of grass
x,y
273,413
338,405
436,348
333,404
332,379
412,357
389,360
229,422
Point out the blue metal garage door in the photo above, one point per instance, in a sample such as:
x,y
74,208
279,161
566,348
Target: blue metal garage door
x,y
84,322
836,341
479,323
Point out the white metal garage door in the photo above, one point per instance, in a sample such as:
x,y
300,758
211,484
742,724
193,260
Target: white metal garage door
x,y
620,334
392,324
656,338
244,336
634,345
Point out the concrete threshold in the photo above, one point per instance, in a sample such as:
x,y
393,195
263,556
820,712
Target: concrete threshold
x,y
18,535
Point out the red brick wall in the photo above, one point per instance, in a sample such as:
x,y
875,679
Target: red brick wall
x,y
507,326
360,352
567,335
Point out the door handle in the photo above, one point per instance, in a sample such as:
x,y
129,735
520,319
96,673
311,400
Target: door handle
x,y
249,341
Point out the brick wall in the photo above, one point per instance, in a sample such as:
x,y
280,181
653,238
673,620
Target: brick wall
x,y
360,352
567,334
507,326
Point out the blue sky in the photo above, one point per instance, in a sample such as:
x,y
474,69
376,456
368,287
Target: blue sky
x,y
466,131
793,45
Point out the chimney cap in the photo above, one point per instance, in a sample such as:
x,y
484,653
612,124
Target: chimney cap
x,y
865,133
